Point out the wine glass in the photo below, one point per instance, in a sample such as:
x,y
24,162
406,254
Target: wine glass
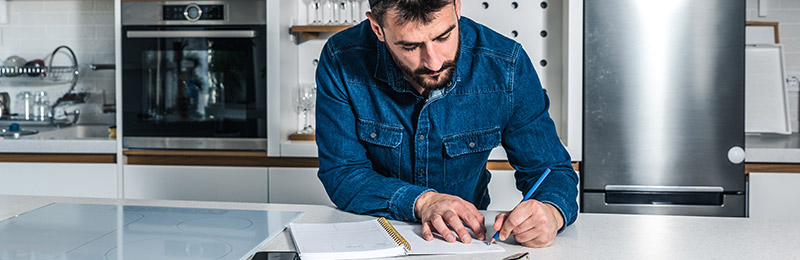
x,y
316,9
330,12
305,98
355,11
344,12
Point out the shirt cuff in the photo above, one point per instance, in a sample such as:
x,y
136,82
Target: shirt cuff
x,y
403,200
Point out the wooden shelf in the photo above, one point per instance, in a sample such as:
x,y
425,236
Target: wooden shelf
x,y
312,31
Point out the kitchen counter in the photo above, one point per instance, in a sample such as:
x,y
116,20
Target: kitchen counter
x,y
593,236
773,148
81,139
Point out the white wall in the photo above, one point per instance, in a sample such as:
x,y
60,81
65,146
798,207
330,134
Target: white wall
x,y
35,28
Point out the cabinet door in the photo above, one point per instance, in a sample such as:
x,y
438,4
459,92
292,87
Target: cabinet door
x,y
59,179
238,184
296,185
774,195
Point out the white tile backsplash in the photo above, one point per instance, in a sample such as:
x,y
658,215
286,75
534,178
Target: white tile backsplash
x,y
36,27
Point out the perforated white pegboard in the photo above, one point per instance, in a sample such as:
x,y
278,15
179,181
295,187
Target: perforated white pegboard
x,y
535,24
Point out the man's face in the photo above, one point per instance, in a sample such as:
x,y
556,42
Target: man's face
x,y
426,53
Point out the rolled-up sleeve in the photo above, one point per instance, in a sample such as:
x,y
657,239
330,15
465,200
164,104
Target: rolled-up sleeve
x,y
532,144
344,167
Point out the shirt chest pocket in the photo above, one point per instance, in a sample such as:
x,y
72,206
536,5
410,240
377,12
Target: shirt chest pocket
x,y
471,142
466,155
382,142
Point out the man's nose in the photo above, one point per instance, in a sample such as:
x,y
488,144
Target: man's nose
x,y
432,60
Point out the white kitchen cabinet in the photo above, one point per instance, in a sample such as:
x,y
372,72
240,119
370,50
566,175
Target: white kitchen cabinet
x,y
96,180
237,184
296,185
503,191
774,195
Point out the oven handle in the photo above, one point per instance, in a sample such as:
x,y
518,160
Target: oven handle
x,y
192,34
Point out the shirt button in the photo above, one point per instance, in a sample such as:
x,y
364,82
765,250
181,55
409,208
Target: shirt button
x,y
420,171
421,137
373,135
471,144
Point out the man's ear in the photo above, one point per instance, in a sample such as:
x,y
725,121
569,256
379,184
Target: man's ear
x,y
376,28
457,6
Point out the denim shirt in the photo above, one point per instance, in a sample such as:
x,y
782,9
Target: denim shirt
x,y
382,144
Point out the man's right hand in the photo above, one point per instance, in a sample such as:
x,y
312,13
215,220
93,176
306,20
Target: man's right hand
x,y
438,210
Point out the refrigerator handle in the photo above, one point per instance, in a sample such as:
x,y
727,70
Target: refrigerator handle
x,y
651,188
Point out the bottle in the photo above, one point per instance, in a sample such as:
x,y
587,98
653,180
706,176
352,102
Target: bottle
x,y
25,105
41,106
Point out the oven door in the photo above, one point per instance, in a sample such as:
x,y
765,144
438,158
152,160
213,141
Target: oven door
x,y
194,87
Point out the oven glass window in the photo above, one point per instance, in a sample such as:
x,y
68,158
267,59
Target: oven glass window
x,y
190,86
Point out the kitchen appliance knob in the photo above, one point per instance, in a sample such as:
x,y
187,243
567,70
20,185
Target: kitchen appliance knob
x,y
193,12
736,155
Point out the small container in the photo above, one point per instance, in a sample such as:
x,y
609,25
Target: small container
x,y
41,106
25,105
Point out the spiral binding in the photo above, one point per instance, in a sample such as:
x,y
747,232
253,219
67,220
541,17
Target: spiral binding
x,y
394,234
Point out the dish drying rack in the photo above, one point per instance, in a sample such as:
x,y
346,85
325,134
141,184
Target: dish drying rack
x,y
47,75
51,75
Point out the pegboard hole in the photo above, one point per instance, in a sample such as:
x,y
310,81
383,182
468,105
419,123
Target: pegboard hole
x,y
514,5
315,62
543,5
485,5
543,33
514,33
543,63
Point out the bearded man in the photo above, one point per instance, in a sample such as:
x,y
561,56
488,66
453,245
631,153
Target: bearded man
x,y
411,102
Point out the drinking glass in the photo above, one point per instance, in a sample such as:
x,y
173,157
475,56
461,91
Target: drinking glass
x,y
305,98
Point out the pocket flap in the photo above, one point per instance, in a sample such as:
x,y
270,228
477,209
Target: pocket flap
x,y
379,134
472,142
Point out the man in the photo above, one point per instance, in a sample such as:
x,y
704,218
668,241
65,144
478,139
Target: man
x,y
411,102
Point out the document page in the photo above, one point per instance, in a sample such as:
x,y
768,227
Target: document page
x,y
413,234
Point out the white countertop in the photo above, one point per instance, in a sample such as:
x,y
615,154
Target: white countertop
x,y
773,148
593,236
82,139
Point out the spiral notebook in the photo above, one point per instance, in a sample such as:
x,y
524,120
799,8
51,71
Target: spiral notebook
x,y
374,239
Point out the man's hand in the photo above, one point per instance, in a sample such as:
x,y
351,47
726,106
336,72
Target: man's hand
x,y
438,210
533,224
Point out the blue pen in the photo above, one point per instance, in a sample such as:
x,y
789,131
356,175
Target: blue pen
x,y
527,196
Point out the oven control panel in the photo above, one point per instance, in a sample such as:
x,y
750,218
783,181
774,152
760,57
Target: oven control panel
x,y
193,12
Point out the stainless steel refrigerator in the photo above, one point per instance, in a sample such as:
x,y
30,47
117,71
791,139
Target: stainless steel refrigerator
x,y
663,127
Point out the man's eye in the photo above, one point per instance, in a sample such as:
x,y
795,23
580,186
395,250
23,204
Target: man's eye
x,y
409,48
444,38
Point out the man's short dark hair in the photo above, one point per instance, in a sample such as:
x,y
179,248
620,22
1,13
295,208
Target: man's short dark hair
x,y
407,10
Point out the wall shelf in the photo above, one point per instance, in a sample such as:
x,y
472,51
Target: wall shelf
x,y
312,31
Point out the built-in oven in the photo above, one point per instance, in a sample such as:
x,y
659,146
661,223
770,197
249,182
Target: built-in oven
x,y
194,75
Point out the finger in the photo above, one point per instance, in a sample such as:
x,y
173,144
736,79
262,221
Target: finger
x,y
441,227
476,224
536,237
455,223
523,235
426,231
498,221
514,219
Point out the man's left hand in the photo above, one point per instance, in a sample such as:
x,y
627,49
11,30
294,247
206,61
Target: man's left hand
x,y
533,224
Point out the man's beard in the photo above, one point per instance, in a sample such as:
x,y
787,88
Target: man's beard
x,y
418,75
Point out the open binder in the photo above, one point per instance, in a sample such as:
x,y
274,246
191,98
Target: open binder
x,y
373,239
